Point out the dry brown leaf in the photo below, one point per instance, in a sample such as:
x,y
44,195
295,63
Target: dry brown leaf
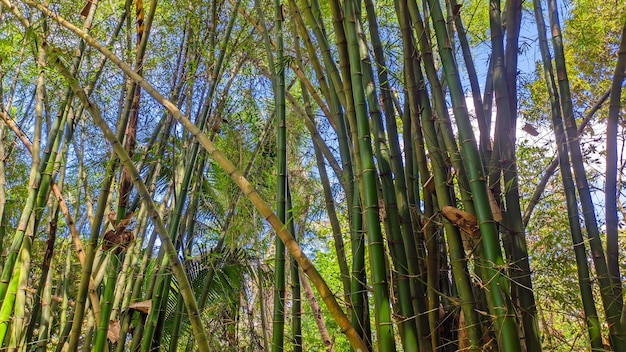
x,y
86,9
110,239
466,221
118,240
530,129
495,209
463,336
112,218
143,306
114,331
125,222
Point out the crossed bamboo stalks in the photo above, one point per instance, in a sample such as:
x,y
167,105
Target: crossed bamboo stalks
x,y
289,241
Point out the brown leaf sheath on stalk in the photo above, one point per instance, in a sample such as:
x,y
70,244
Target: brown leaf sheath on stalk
x,y
464,220
120,237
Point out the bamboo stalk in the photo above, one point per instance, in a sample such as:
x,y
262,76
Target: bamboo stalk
x,y
611,186
278,72
382,302
612,299
582,268
505,324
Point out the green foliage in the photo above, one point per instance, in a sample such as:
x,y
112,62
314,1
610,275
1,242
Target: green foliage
x,y
591,39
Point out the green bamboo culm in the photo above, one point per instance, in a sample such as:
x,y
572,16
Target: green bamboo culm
x,y
400,236
611,190
584,281
507,330
296,305
458,260
504,158
384,326
611,299
278,323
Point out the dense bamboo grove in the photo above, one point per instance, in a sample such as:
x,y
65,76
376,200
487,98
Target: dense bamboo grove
x,y
307,175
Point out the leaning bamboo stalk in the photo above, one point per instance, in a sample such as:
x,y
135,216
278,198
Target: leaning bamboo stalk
x,y
611,186
231,170
176,265
80,252
612,299
594,330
